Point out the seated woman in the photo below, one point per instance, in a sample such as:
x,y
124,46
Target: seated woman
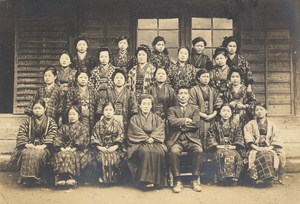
x,y
265,151
226,140
71,154
34,141
108,147
146,148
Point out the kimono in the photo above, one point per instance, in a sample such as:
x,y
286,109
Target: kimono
x,y
31,162
101,77
147,161
200,61
140,78
124,60
229,162
53,99
208,101
88,101
160,59
246,98
74,135
182,75
241,62
218,79
264,164
109,165
85,65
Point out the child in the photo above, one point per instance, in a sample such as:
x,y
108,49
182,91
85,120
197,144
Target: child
x,y
159,56
198,58
83,61
123,58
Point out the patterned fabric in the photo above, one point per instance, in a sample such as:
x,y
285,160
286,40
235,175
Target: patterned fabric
x,y
160,59
263,166
123,60
53,99
200,61
74,136
182,75
86,64
218,79
101,77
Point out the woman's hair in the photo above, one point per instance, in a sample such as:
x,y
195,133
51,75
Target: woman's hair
x,y
76,108
220,50
223,105
184,86
108,104
39,101
122,37
183,47
80,72
156,40
103,49
154,74
117,70
200,72
52,69
229,39
145,48
199,39
237,70
146,96
79,38
67,53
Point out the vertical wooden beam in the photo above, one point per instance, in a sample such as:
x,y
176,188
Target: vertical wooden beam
x,y
266,54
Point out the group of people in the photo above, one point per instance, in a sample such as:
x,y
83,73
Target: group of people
x,y
127,115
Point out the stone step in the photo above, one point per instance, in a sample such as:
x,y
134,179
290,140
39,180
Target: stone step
x,y
293,165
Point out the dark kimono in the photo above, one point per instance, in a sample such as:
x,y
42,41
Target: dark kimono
x,y
85,65
109,165
101,77
246,98
74,135
182,75
88,102
160,59
264,164
218,79
208,100
124,60
147,161
53,99
201,61
229,162
31,162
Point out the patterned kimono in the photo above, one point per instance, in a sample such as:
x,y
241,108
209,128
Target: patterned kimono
x,y
88,100
160,59
86,65
140,79
124,60
229,162
101,77
264,164
109,165
201,61
53,99
218,79
31,162
147,161
182,75
74,135
208,100
246,98
241,62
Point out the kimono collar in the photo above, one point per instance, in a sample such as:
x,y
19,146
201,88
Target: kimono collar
x,y
196,53
40,118
122,52
81,56
179,64
50,87
231,56
156,52
183,105
261,121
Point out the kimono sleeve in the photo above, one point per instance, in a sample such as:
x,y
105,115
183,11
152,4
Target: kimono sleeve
x,y
120,138
276,139
52,132
209,63
23,134
158,134
248,133
218,101
135,133
238,139
193,96
58,140
211,141
82,138
134,108
96,137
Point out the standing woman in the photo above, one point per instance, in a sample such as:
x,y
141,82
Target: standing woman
x,y
140,77
146,148
225,139
34,142
51,94
71,150
122,58
198,58
182,73
159,56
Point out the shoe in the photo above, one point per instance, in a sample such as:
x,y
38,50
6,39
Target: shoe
x,y
71,182
178,187
196,186
61,183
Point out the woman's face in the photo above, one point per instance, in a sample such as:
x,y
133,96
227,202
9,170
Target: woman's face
x,y
65,60
235,78
204,78
38,110
225,112
82,46
73,115
160,46
161,75
142,57
119,80
232,47
199,47
83,79
108,112
104,57
220,60
183,55
260,112
146,105
123,45
49,77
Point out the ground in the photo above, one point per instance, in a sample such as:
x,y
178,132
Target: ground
x,y
11,193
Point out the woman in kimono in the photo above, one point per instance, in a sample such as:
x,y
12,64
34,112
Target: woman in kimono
x,y
108,147
71,152
122,58
146,148
235,59
182,73
51,94
34,142
159,56
240,99
225,140
266,156
198,58
140,77
86,98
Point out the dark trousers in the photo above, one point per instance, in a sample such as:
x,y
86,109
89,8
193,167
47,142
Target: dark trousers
x,y
187,146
